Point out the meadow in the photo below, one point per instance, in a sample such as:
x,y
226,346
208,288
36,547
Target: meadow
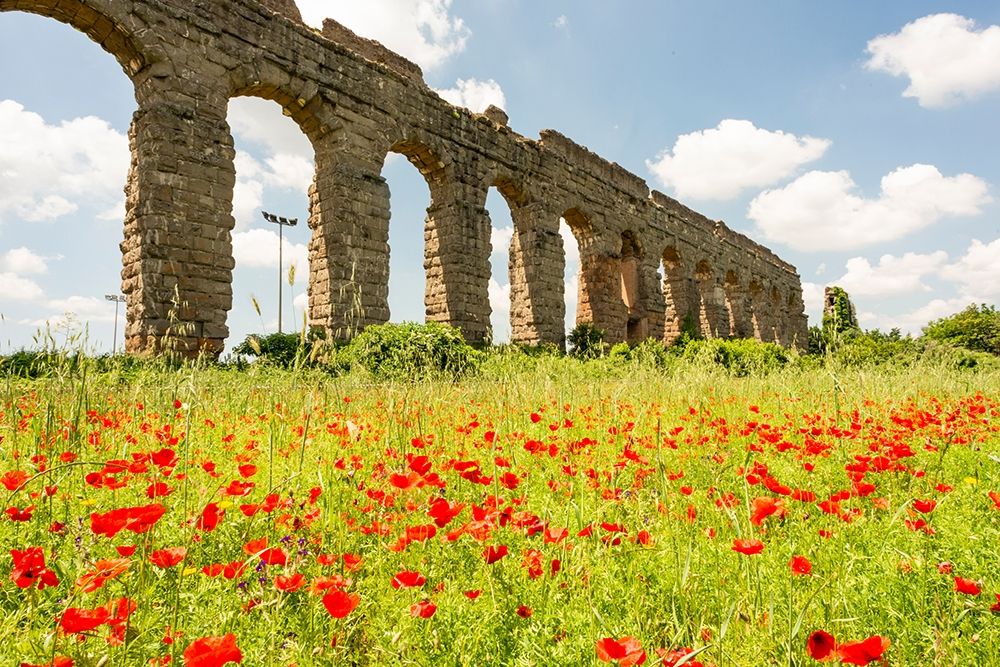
x,y
543,512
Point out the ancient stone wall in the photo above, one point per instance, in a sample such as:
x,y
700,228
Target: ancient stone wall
x,y
649,265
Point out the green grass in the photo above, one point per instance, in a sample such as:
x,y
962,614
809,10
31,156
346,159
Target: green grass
x,y
620,462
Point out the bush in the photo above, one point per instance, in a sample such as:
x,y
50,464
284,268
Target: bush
x,y
650,353
877,348
586,342
411,351
975,328
741,357
284,349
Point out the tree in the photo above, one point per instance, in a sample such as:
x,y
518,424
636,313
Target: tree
x,y
975,328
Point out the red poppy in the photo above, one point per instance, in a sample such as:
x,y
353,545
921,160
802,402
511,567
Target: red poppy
x,y
168,557
340,603
103,571
58,661
995,497
443,511
863,652
423,609
492,553
274,556
13,479
996,607
408,579
289,583
135,519
672,658
82,620
212,652
625,651
763,508
821,645
924,506
29,569
524,611
967,586
800,565
472,595
210,517
748,547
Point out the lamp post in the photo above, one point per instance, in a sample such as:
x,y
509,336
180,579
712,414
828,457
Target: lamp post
x,y
282,223
117,298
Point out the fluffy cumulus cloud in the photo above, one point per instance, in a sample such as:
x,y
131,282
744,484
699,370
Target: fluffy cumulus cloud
x,y
22,261
425,31
258,248
977,272
820,210
284,171
75,311
500,238
946,57
47,170
571,285
722,162
892,275
18,288
500,305
474,95
812,295
261,123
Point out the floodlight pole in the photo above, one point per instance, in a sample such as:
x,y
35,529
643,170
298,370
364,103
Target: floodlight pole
x,y
117,298
282,223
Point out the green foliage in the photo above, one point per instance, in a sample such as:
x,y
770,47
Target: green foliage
x,y
586,342
874,348
842,318
411,351
650,353
284,349
975,328
740,357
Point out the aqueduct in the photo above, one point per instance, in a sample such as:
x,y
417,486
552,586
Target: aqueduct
x,y
357,101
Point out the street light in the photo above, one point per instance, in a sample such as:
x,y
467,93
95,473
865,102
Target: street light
x,y
117,298
282,223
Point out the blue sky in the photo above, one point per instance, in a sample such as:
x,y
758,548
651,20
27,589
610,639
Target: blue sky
x,y
856,139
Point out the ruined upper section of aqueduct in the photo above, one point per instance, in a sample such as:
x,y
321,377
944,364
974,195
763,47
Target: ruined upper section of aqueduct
x,y
357,101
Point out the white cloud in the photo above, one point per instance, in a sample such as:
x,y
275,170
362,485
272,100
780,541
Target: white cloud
x,y
474,95
819,210
301,302
261,122
22,261
571,284
946,58
892,275
258,248
48,171
284,171
721,162
977,273
562,21
76,310
15,288
813,296
913,321
500,317
570,246
422,30
500,239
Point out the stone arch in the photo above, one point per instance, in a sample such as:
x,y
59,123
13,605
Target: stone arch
x,y
713,318
589,307
114,34
676,293
737,309
307,124
636,318
530,257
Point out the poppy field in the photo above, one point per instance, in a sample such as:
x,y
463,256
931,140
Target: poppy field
x,y
545,516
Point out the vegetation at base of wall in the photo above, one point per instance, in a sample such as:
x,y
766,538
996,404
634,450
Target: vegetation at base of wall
x,y
740,357
410,351
586,342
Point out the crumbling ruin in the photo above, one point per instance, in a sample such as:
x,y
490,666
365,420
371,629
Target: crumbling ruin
x,y
357,101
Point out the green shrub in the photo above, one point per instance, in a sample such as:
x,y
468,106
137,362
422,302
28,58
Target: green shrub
x,y
877,348
740,357
650,353
975,328
284,349
586,341
411,351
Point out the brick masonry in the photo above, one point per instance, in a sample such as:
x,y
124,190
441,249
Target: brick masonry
x,y
357,101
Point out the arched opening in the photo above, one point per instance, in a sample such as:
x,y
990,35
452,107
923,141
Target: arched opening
x,y
577,235
409,205
708,316
275,167
758,310
736,306
65,161
677,300
774,330
509,288
637,326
